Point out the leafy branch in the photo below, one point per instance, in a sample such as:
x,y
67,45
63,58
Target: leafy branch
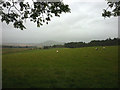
x,y
40,13
114,7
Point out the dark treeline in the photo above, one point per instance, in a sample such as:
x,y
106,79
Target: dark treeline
x,y
8,46
54,46
107,42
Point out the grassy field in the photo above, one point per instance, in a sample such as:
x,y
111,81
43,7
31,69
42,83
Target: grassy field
x,y
70,68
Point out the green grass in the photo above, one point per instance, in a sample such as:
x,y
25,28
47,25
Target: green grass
x,y
70,68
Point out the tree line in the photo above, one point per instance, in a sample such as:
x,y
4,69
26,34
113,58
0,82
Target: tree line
x,y
107,42
10,46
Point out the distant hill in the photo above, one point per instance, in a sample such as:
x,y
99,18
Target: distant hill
x,y
46,43
50,43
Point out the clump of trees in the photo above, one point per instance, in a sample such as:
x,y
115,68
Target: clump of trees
x,y
75,44
107,42
54,46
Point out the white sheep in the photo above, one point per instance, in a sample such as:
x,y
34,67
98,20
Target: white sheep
x,y
96,48
57,51
103,47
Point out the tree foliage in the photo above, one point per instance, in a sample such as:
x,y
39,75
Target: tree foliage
x,y
113,9
38,12
41,12
107,42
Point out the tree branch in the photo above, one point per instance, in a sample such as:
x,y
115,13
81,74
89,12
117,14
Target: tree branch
x,y
17,10
10,8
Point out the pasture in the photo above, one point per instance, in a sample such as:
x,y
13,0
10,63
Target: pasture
x,y
69,68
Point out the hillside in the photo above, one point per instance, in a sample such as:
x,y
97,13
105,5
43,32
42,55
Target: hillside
x,y
50,43
46,43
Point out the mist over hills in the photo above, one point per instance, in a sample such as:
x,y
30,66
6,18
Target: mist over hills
x,y
50,43
46,43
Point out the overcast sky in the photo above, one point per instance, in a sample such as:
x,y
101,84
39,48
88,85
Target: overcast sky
x,y
84,23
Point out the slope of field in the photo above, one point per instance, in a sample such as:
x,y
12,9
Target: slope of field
x,y
70,68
